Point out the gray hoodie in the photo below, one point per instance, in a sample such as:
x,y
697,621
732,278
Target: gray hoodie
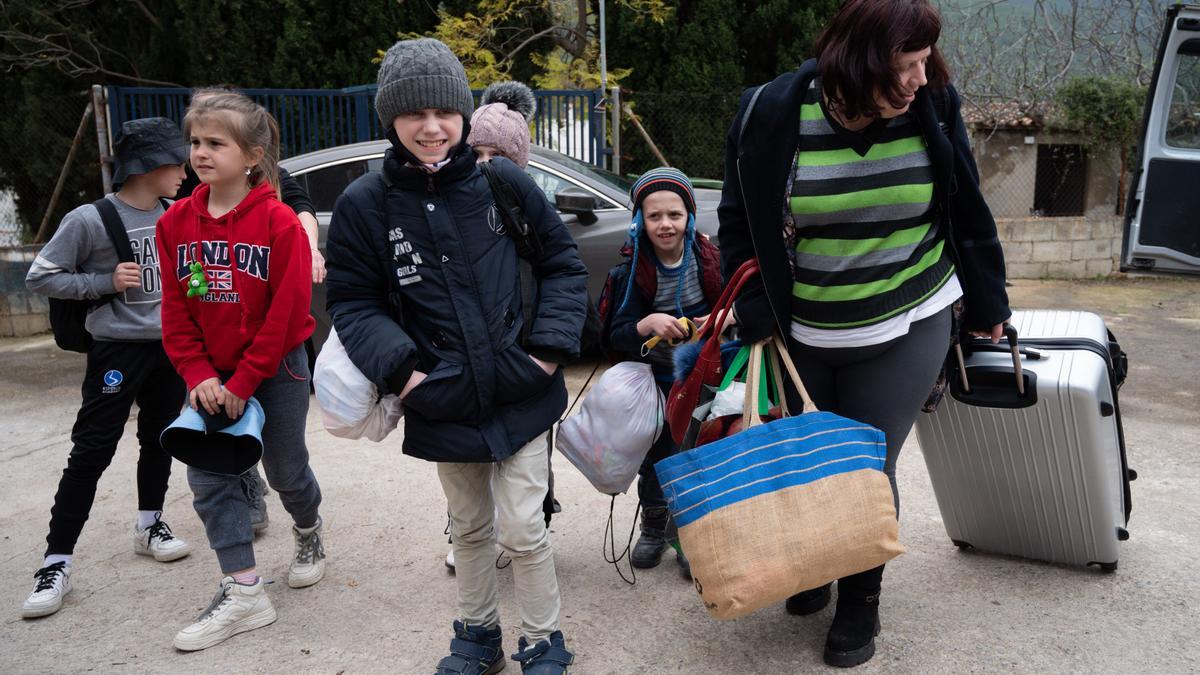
x,y
78,263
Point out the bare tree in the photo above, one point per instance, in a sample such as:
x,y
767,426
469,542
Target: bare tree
x,y
47,33
1019,53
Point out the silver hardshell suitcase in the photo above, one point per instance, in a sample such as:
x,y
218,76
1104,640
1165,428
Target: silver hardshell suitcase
x,y
1040,474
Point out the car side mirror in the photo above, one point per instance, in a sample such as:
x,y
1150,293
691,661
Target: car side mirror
x,y
578,202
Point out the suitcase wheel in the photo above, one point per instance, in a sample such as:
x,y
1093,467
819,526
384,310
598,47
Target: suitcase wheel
x,y
963,545
1107,568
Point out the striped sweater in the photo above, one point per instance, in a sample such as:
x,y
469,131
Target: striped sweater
x,y
867,246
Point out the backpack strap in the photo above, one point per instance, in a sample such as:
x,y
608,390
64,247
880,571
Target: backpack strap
x,y
529,245
115,228
941,109
746,115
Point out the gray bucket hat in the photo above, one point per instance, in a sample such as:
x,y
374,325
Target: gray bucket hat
x,y
145,144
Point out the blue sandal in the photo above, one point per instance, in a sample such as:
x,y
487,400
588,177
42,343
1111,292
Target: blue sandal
x,y
548,657
475,650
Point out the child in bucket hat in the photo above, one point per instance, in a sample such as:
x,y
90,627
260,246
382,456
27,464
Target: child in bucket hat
x,y
126,362
672,274
480,389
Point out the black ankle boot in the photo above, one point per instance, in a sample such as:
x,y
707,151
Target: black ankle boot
x,y
648,550
809,602
851,639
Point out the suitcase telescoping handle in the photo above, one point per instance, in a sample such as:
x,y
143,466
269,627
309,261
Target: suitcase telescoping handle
x,y
1010,334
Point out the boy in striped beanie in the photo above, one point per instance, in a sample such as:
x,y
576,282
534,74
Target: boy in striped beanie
x,y
671,273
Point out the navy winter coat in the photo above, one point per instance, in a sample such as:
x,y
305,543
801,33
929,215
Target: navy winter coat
x,y
432,283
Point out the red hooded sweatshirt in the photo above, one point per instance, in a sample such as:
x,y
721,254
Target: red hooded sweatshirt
x,y
258,267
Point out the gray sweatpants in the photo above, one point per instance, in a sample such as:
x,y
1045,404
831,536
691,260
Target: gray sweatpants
x,y
221,501
883,385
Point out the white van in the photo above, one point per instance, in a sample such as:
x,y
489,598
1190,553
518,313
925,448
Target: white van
x,y
1162,223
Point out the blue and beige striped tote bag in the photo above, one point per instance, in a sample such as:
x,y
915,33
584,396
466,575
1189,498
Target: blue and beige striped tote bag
x,y
780,507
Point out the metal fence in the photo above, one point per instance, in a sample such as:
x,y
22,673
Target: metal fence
x,y
33,153
314,119
687,128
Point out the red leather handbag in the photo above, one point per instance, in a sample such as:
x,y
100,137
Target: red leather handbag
x,y
685,393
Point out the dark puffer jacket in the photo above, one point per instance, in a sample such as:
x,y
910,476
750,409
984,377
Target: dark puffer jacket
x,y
432,283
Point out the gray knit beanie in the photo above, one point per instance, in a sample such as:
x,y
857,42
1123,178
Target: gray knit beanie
x,y
502,120
418,74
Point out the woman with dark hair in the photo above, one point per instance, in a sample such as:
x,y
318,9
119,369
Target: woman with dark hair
x,y
852,182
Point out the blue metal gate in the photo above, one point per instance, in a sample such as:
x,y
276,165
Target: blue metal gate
x,y
312,119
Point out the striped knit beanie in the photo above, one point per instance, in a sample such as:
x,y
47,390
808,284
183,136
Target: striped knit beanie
x,y
656,180
663,178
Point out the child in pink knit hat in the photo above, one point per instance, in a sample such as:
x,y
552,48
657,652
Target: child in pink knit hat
x,y
500,125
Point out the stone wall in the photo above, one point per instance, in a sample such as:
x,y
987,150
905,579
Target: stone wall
x,y
1060,248
21,312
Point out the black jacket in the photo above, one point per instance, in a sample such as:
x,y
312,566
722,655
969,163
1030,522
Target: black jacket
x,y
752,206
431,282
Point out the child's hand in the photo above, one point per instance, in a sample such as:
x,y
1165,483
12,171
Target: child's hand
x,y
209,394
413,380
127,275
663,325
234,406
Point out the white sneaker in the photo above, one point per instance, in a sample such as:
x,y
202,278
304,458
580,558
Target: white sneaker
x,y
308,562
235,609
158,541
450,559
53,583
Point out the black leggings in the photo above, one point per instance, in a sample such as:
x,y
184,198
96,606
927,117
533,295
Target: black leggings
x,y
883,385
118,375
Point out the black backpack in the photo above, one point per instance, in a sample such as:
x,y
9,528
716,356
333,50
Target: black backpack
x,y
529,248
67,316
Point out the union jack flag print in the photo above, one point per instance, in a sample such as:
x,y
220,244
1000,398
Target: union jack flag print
x,y
220,280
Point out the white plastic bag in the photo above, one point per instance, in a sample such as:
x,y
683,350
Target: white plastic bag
x,y
619,421
350,403
729,401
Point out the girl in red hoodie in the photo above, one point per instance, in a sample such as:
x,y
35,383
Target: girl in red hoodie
x,y
243,336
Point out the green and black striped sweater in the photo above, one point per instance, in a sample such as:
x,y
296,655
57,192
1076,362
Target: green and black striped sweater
x,y
867,242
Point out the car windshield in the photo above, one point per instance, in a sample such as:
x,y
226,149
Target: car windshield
x,y
592,171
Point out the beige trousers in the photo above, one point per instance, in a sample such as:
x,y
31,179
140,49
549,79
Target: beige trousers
x,y
502,502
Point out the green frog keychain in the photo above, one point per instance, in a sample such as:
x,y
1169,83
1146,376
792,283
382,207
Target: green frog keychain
x,y
198,283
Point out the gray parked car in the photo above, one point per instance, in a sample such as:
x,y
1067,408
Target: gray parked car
x,y
594,204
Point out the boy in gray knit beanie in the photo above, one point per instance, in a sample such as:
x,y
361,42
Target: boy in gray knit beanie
x,y
484,419
424,99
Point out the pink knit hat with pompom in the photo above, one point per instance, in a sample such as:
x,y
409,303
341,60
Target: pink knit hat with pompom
x,y
502,120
